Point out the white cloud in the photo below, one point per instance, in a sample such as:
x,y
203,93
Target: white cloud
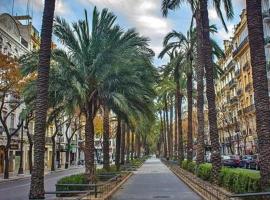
x,y
223,35
144,15
212,14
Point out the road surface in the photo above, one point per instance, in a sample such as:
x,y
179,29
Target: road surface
x,y
19,189
155,181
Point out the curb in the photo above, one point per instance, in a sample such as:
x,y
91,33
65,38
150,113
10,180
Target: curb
x,y
115,189
24,177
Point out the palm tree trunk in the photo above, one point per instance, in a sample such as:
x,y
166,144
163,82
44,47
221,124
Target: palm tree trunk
x,y
167,125
106,139
118,144
132,146
37,178
165,135
179,127
128,144
139,146
89,148
171,128
123,142
260,85
210,90
200,94
189,134
175,127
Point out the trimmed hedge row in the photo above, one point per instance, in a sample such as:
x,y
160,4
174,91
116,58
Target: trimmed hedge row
x,y
82,179
233,179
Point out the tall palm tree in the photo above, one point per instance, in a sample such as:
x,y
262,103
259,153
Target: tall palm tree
x,y
200,10
37,177
175,42
106,137
260,85
93,52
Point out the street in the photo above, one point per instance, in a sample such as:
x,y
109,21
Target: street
x,y
18,189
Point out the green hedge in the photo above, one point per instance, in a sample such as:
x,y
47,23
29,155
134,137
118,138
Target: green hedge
x,y
239,180
204,171
233,179
73,179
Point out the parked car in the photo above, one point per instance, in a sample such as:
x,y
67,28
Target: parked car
x,y
246,160
231,160
255,163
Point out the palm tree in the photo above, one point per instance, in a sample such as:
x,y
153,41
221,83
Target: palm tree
x,y
106,137
175,42
260,85
93,53
37,178
205,61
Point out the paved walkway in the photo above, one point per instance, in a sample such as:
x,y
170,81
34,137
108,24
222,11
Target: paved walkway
x,y
155,181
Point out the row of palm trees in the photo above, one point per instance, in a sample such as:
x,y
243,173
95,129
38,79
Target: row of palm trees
x,y
192,57
103,68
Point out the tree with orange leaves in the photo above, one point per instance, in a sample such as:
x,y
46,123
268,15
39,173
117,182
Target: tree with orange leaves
x,y
11,84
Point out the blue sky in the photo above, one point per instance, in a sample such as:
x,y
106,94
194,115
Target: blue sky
x,y
144,15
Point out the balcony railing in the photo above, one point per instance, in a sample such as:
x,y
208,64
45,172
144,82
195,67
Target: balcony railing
x,y
237,73
250,108
236,51
246,66
266,16
248,87
48,140
246,110
239,92
234,100
232,83
267,42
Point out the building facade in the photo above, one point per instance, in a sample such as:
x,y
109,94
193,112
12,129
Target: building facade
x,y
234,89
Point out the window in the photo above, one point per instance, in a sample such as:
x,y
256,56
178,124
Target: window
x,y
12,120
1,43
51,130
251,99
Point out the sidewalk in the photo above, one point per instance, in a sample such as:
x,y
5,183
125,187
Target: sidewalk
x,y
155,181
13,176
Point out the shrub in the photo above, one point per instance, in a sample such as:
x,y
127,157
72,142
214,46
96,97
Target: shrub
x,y
239,180
184,164
204,171
191,167
73,179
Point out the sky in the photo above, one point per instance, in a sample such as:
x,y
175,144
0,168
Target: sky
x,y
143,15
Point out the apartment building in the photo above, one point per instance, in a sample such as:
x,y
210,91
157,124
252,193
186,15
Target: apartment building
x,y
234,89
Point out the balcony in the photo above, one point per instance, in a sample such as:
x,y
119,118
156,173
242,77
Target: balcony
x,y
24,43
237,73
239,92
234,100
48,140
232,83
267,42
12,130
248,87
242,44
246,66
250,108
266,16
